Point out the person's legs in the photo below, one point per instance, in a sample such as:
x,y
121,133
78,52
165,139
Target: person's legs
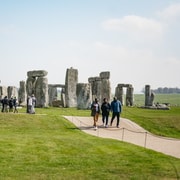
x,y
107,116
118,116
103,119
2,108
96,119
112,119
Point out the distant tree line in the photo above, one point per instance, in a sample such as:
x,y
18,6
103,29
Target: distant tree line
x,y
166,90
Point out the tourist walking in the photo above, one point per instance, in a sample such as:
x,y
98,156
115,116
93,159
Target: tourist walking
x,y
116,108
105,108
95,111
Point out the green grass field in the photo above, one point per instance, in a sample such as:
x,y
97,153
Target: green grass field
x,y
172,99
47,146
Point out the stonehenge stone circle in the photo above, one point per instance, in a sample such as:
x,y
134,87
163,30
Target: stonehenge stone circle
x,y
72,93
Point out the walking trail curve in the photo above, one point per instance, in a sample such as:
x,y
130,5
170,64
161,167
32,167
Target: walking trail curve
x,y
129,132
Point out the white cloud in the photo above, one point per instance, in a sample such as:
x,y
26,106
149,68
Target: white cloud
x,y
135,24
171,12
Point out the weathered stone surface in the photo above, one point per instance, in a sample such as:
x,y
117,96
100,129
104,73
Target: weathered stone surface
x,y
70,87
84,97
30,85
41,92
105,89
125,85
12,91
100,86
22,93
56,103
52,91
105,75
96,88
63,99
3,92
119,94
129,94
37,73
147,95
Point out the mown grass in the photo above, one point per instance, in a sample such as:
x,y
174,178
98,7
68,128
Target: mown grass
x,y
159,122
172,99
47,146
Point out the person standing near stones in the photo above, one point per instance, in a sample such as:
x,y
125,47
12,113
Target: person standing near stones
x,y
15,104
33,104
116,108
29,104
105,108
11,104
5,104
95,111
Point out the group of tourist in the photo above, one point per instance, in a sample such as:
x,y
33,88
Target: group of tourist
x,y
9,105
115,107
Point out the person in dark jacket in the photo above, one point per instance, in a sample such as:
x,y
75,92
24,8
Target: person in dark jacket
x,y
116,108
5,104
15,104
11,104
105,108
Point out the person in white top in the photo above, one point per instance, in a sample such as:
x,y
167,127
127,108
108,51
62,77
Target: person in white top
x,y
95,111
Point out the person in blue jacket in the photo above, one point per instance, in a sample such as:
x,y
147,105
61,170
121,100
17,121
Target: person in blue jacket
x,y
116,108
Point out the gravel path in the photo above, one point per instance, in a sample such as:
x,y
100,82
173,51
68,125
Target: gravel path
x,y
129,132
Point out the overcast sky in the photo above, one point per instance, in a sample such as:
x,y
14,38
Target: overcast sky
x,y
138,41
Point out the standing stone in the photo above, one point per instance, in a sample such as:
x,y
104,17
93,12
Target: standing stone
x,y
41,92
147,95
52,91
129,96
12,91
70,87
3,92
63,99
83,93
37,84
37,73
105,86
95,87
22,93
119,93
30,85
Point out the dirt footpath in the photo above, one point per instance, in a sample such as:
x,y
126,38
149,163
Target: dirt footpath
x,y
129,132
